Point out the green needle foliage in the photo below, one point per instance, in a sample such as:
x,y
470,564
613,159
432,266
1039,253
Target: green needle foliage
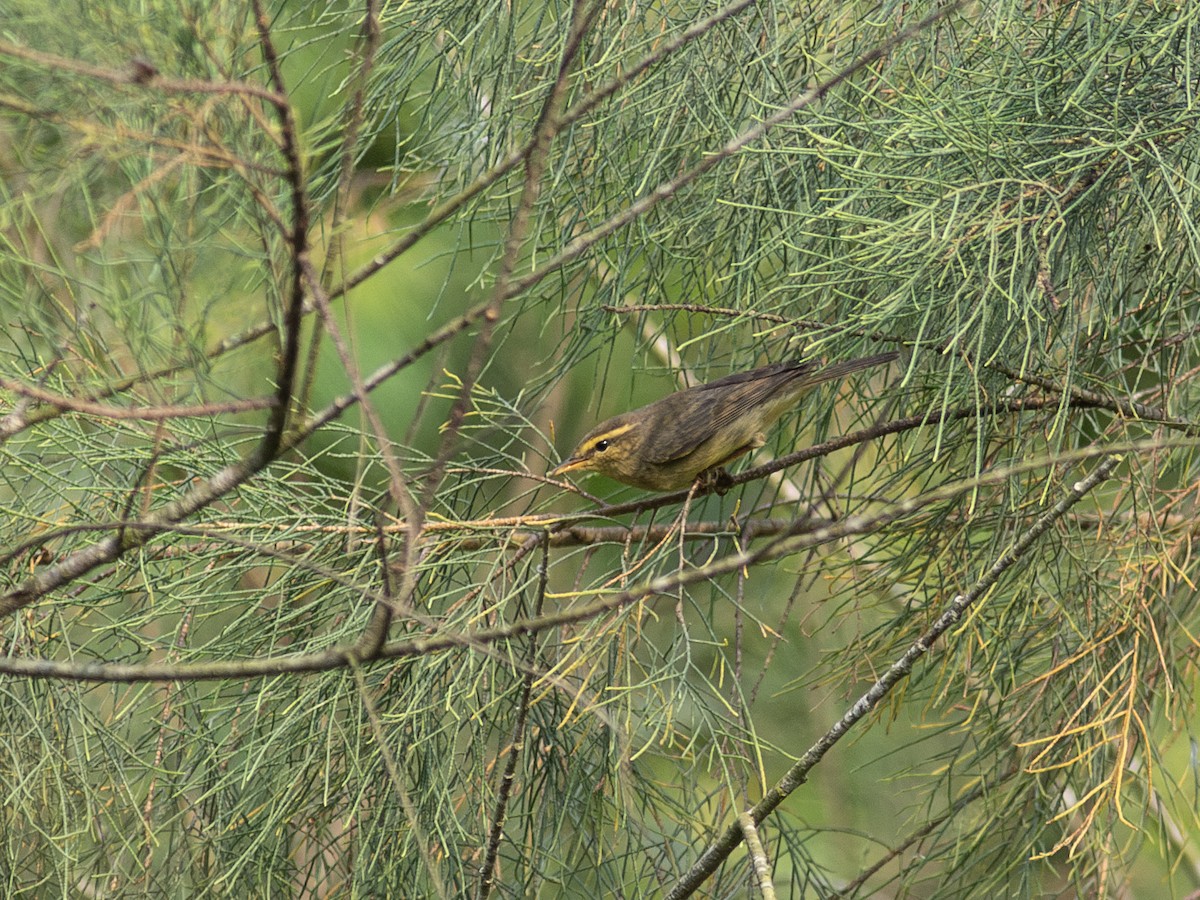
x,y
302,302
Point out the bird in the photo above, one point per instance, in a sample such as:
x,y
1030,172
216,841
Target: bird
x,y
668,444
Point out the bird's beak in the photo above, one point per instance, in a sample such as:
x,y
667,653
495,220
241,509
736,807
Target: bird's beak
x,y
568,465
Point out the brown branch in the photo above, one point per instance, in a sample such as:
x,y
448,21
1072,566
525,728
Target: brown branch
x,y
785,545
758,856
375,633
583,536
140,413
137,75
1129,409
298,239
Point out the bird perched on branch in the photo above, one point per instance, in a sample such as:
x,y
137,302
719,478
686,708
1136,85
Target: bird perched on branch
x,y
668,444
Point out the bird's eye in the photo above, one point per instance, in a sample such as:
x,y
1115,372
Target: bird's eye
x,y
601,446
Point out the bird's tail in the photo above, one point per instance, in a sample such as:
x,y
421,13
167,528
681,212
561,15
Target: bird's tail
x,y
833,371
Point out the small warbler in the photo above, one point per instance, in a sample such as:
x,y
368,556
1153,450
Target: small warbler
x,y
668,444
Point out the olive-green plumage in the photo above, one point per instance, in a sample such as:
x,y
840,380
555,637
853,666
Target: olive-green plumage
x,y
668,444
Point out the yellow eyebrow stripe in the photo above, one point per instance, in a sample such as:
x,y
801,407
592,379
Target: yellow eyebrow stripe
x,y
612,433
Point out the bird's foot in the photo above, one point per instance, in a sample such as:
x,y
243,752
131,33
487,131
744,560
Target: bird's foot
x,y
716,480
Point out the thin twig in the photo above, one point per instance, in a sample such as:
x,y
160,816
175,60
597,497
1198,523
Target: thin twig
x,y
135,75
135,413
924,831
416,831
546,129
516,746
272,441
667,190
897,672
514,159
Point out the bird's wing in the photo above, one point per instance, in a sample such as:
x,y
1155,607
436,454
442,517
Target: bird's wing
x,y
722,408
